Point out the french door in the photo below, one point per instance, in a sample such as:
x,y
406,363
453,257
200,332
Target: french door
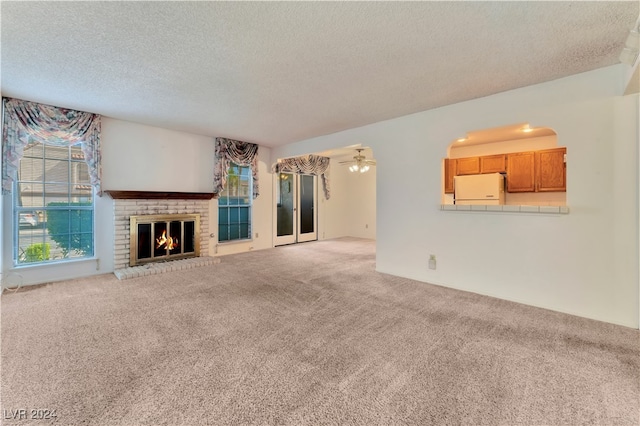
x,y
296,213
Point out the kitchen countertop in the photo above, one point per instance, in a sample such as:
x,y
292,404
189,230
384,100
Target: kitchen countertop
x,y
506,208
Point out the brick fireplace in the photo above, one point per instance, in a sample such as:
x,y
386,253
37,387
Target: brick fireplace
x,y
140,204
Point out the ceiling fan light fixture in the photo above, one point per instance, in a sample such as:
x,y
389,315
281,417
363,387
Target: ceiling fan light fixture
x,y
359,163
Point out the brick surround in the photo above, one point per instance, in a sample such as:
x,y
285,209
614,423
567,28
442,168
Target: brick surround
x,y
124,208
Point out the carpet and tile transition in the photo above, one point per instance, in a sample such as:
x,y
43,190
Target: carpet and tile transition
x,y
307,334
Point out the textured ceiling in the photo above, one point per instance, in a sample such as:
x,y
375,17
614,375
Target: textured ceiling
x,y
278,72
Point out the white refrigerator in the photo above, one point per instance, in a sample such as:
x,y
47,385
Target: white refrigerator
x,y
487,189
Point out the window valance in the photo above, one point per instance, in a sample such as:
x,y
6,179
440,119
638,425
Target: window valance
x,y
28,122
238,152
307,164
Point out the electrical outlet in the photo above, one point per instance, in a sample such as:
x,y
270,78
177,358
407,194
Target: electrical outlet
x,y
432,261
366,226
257,235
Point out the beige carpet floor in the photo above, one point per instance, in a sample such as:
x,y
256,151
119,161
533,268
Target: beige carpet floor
x,y
307,334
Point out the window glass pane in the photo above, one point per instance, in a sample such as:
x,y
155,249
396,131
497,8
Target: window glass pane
x,y
243,190
31,169
30,195
83,243
81,173
56,194
223,215
81,221
81,193
57,227
234,215
33,246
234,232
56,152
56,170
244,215
244,231
33,150
223,233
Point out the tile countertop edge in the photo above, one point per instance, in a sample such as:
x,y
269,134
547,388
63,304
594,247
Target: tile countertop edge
x,y
506,208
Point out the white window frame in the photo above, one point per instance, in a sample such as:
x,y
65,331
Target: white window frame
x,y
73,177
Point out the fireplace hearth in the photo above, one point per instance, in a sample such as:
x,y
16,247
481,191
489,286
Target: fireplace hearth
x,y
159,238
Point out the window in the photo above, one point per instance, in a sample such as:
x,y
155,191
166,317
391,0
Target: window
x,y
234,205
53,205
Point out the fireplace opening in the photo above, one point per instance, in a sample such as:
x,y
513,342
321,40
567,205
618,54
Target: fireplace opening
x,y
156,238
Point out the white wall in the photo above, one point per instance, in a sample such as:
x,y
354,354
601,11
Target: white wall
x,y
359,211
584,263
145,158
362,205
333,220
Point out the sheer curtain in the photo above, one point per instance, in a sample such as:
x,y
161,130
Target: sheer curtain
x,y
307,164
26,122
238,152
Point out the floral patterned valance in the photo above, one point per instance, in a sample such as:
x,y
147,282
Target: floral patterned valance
x,y
26,122
232,151
307,164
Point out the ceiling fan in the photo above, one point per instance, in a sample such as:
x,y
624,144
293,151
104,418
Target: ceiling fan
x,y
359,162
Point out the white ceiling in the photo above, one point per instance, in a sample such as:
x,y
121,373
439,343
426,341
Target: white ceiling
x,y
279,72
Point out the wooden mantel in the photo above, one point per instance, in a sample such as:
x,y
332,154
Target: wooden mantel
x,y
159,195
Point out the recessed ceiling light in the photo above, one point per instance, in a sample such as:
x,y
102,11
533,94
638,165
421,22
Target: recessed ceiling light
x,y
527,129
462,139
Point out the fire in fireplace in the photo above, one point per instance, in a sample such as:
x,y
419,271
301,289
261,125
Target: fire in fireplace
x,y
156,238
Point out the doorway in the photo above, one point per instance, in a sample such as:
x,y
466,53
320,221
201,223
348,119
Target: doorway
x,y
296,213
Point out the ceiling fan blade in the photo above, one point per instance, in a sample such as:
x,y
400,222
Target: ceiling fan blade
x,y
347,162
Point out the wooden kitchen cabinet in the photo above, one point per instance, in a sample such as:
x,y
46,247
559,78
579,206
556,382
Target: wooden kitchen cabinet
x,y
521,172
468,166
551,170
449,173
493,163
532,171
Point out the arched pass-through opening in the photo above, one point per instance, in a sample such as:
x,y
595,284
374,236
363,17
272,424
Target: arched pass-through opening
x,y
530,160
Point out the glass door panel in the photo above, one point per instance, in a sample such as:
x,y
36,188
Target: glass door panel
x,y
285,208
307,197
